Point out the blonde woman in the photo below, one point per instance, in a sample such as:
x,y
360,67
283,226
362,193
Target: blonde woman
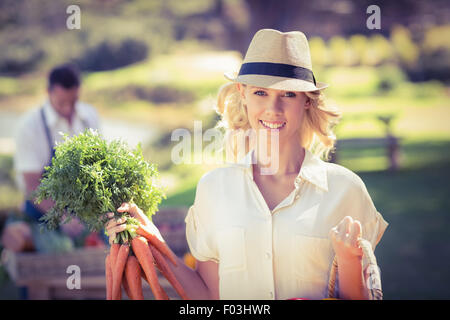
x,y
274,236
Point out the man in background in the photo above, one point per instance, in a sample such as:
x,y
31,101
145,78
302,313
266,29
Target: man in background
x,y
37,133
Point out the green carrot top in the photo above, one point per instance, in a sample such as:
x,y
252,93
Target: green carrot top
x,y
90,177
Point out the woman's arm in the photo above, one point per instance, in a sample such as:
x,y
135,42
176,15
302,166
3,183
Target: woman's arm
x,y
344,238
351,280
201,283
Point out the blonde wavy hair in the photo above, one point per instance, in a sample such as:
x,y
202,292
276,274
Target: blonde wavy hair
x,y
316,133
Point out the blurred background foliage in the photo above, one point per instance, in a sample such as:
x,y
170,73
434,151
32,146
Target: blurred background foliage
x,y
158,64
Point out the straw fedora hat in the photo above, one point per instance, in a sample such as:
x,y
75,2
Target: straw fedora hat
x,y
278,60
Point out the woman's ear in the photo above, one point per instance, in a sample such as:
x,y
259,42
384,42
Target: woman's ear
x,y
241,88
307,102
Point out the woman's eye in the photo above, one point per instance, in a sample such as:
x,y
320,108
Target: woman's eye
x,y
259,93
290,94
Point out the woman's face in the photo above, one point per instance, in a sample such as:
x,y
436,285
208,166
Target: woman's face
x,y
275,110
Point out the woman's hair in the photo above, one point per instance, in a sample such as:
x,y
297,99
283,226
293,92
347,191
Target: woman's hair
x,y
316,132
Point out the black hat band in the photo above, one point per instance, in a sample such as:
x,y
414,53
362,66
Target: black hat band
x,y
278,70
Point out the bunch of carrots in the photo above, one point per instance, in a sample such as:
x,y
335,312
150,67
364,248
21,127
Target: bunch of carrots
x,y
135,255
90,176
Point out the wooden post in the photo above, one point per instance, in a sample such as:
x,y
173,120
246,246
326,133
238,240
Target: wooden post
x,y
393,151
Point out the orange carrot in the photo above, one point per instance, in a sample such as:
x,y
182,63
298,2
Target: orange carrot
x,y
168,273
126,286
118,269
164,294
133,278
108,276
145,258
158,244
113,251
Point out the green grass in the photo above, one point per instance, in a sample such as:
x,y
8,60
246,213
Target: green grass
x,y
183,198
413,154
187,177
414,253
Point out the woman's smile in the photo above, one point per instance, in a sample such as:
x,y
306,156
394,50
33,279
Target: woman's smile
x,y
273,125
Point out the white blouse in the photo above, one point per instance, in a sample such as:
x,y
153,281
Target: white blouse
x,y
283,253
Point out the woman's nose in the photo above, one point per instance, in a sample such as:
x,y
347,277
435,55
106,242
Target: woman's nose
x,y
274,105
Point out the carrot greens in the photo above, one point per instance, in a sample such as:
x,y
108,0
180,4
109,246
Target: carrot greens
x,y
90,176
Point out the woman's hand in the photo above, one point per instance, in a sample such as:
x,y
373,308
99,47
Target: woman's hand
x,y
344,238
115,226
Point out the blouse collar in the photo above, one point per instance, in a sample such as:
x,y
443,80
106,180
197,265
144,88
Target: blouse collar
x,y
313,168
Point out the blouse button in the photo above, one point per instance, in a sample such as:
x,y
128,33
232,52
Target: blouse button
x,y
271,295
268,255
